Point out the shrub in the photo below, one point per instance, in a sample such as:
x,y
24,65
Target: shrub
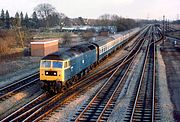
x,y
4,47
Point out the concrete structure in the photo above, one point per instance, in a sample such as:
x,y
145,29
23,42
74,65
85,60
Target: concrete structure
x,y
44,47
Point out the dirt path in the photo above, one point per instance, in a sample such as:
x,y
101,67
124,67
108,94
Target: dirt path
x,y
171,57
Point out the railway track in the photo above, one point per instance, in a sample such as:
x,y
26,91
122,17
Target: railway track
x,y
102,104
106,96
16,86
37,110
42,108
143,105
27,107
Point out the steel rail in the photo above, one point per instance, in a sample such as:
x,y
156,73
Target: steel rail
x,y
23,107
138,91
15,90
154,84
16,82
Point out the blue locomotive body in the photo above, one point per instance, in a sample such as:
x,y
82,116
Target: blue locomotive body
x,y
84,56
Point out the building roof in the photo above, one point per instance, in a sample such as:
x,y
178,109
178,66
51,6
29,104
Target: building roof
x,y
44,41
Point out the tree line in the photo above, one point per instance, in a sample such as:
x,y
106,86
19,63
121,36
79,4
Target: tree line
x,y
19,20
46,16
121,23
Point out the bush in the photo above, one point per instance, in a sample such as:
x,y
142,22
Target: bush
x,y
7,41
4,47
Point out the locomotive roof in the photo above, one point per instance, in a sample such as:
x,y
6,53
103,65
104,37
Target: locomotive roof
x,y
72,52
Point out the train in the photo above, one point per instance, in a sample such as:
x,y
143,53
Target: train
x,y
60,70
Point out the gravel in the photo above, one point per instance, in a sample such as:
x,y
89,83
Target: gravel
x,y
19,99
165,102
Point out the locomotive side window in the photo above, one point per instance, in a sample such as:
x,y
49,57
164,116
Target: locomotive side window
x,y
46,64
57,64
66,64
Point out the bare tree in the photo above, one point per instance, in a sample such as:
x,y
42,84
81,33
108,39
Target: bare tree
x,y
114,17
105,19
67,39
44,11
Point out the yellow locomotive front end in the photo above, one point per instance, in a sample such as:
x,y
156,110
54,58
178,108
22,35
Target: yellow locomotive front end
x,y
51,70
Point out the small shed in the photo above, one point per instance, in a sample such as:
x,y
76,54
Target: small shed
x,y
44,47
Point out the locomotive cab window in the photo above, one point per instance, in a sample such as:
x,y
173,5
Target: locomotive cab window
x,y
57,64
46,64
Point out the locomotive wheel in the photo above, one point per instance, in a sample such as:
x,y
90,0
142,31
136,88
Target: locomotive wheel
x,y
70,83
75,78
44,86
58,87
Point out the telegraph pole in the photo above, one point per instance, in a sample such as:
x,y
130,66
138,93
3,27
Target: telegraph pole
x,y
166,22
163,25
168,26
163,29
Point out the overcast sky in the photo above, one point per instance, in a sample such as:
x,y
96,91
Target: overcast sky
x,y
141,9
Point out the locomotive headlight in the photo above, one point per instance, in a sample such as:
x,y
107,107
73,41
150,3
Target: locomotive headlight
x,y
54,73
46,73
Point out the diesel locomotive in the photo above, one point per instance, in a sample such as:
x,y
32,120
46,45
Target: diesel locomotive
x,y
60,70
